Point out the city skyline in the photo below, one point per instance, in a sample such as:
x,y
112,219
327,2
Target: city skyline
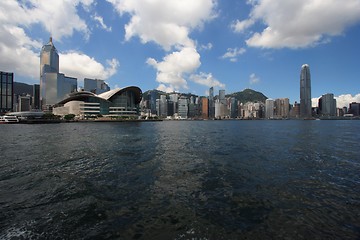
x,y
227,45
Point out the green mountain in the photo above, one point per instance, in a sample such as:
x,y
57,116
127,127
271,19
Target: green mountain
x,y
248,95
22,88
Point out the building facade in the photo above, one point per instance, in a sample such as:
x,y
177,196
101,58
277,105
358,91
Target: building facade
x,y
327,105
269,108
96,86
305,92
117,102
54,86
6,92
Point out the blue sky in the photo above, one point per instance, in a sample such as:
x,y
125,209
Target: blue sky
x,y
188,46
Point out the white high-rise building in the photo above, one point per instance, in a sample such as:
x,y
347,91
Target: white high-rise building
x,y
269,108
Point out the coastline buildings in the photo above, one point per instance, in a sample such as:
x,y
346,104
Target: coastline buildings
x,y
305,92
54,86
120,102
6,92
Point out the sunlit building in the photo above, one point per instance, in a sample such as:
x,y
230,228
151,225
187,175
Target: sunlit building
x,y
117,102
269,108
54,86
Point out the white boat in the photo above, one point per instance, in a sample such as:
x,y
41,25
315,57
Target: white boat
x,y
8,119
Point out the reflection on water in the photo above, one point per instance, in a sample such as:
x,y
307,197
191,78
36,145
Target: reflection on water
x,y
181,180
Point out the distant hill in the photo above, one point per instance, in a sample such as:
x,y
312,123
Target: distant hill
x,y
248,95
22,88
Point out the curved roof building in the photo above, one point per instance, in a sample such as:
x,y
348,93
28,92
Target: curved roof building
x,y
117,102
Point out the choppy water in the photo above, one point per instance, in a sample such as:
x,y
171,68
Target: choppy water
x,y
181,180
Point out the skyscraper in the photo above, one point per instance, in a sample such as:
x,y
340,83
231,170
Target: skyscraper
x,y
49,63
305,92
211,103
54,86
6,91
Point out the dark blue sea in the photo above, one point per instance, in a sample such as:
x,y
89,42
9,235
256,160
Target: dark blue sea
x,y
283,179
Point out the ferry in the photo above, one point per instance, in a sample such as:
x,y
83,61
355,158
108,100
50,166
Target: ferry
x,y
8,119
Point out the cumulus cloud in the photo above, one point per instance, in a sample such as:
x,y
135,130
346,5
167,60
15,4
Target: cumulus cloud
x,y
19,53
233,53
342,100
298,24
206,79
79,65
206,46
171,72
167,23
253,79
100,22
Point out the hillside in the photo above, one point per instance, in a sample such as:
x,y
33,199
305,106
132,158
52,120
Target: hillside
x,y
248,95
22,88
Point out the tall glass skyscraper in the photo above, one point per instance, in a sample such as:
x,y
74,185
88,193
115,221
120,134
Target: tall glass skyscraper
x,y
305,92
49,63
54,86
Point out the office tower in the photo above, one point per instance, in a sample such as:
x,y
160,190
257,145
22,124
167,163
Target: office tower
x,y
36,97
282,108
305,92
96,86
49,63
327,105
269,108
211,103
163,106
354,108
222,96
183,105
233,107
24,103
6,92
54,86
204,107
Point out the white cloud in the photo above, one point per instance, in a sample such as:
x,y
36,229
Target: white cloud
x,y
101,23
167,23
345,99
206,79
233,53
253,79
206,46
341,101
172,70
79,65
298,24
19,53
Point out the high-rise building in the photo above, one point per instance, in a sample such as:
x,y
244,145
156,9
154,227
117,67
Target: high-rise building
x,y
24,103
96,86
305,92
204,108
183,107
6,92
36,97
354,108
211,103
54,86
269,108
327,105
282,108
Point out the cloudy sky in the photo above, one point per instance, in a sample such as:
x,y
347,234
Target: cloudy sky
x,y
190,45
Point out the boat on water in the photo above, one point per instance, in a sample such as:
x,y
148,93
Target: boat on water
x,y
8,119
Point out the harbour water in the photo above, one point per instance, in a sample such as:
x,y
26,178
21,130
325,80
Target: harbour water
x,y
181,180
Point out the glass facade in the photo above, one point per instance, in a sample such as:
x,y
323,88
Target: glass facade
x,y
305,92
6,91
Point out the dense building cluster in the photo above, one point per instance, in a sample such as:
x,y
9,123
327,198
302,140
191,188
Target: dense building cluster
x,y
60,94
